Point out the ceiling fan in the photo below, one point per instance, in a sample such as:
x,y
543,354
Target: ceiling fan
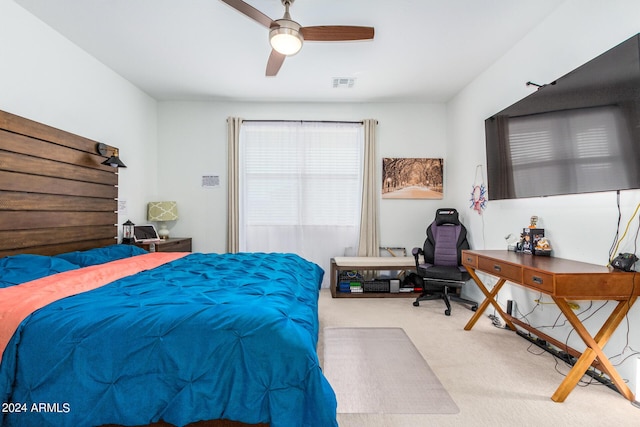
x,y
286,35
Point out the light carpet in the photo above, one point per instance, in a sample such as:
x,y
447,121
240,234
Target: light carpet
x,y
380,371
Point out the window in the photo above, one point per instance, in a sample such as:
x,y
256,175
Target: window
x,y
300,188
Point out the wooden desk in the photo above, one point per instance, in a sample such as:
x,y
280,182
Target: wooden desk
x,y
563,280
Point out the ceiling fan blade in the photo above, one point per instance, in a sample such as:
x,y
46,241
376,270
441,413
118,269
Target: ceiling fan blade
x,y
336,33
250,11
274,63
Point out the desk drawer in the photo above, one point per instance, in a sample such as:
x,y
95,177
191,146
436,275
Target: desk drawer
x,y
501,269
470,260
538,280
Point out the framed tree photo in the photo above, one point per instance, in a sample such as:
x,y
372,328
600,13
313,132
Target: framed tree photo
x,y
412,178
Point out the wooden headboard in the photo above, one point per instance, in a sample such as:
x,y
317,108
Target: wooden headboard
x,y
55,194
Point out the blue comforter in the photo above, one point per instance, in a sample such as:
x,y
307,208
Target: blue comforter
x,y
207,336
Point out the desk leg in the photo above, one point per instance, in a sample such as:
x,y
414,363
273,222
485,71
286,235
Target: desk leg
x,y
594,349
489,299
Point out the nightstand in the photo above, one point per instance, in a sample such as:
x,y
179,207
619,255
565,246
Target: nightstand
x,y
175,244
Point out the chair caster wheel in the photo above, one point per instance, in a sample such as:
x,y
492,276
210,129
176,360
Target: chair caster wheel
x,y
447,312
474,308
416,303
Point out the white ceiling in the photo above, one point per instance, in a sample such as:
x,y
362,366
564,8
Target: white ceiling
x,y
423,50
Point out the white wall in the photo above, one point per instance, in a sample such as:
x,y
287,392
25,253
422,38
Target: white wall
x,y
193,142
580,227
46,78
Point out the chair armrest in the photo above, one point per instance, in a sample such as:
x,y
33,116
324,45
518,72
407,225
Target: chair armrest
x,y
416,252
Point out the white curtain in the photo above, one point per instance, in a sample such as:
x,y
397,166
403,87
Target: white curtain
x,y
300,188
369,240
233,213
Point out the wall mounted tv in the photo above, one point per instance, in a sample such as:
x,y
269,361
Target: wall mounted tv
x,y
579,134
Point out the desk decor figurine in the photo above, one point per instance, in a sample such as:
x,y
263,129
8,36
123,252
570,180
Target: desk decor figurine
x,y
532,239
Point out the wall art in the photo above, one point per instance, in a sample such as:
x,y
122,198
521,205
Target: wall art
x,y
412,178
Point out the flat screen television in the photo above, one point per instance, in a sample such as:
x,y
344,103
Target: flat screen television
x,y
579,134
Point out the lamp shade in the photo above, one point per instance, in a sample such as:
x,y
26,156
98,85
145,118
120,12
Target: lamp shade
x,y
162,211
115,162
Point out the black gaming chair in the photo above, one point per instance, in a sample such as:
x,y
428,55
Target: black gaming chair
x,y
442,270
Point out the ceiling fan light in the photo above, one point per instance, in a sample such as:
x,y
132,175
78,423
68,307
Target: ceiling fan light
x,y
285,40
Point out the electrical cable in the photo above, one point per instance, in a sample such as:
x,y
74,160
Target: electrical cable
x,y
484,241
532,347
569,360
571,305
615,237
593,374
627,346
611,255
554,325
635,241
495,320
566,342
523,317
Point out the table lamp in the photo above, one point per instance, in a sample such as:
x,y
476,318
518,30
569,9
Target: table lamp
x,y
162,212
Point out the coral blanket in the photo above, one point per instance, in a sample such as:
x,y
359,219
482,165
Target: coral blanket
x,y
18,302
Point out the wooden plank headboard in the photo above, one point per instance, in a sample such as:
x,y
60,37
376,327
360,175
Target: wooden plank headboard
x,y
55,194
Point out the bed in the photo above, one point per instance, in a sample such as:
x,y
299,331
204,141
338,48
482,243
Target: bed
x,y
119,336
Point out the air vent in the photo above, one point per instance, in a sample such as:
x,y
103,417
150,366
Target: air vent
x,y
346,82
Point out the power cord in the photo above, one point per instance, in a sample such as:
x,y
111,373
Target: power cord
x,y
495,320
616,244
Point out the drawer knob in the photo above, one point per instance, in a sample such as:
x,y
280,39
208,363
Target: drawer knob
x,y
496,267
538,280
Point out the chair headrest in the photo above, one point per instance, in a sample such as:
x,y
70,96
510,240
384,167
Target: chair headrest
x,y
447,216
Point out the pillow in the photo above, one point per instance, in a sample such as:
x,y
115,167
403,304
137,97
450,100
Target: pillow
x,y
23,268
101,255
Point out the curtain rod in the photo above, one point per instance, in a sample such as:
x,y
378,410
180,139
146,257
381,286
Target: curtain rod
x,y
306,121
